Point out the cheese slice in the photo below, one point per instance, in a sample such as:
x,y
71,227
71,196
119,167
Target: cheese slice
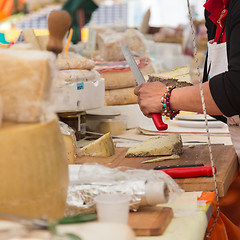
x,y
102,147
25,82
162,145
34,169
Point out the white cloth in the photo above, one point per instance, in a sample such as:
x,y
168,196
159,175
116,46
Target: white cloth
x,y
218,63
217,58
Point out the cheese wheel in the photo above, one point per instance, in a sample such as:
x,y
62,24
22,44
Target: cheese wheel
x,y
78,75
34,169
120,97
74,61
123,79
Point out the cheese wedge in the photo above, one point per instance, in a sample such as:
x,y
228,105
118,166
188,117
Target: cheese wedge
x,y
178,77
34,169
162,145
102,147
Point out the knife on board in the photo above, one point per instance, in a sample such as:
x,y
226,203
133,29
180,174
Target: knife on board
x,y
156,117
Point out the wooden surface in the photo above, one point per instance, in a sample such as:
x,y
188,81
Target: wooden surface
x,y
224,156
150,221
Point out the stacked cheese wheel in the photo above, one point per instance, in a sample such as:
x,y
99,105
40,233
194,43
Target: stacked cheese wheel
x,y
33,162
120,81
75,68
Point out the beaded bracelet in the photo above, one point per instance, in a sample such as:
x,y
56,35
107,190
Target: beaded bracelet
x,y
166,110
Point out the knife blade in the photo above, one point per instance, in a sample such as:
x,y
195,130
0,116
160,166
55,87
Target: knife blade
x,y
156,117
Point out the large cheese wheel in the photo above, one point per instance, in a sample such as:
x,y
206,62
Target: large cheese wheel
x,y
34,169
123,79
120,96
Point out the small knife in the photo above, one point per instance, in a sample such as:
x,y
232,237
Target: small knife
x,y
156,117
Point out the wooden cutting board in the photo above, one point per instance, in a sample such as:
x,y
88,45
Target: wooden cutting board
x,y
224,156
150,221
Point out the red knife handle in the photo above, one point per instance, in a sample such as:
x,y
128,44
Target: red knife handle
x,y
189,172
157,119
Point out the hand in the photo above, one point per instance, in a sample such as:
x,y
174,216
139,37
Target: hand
x,y
149,97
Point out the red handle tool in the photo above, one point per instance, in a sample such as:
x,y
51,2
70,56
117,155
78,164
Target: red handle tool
x,y
189,172
159,124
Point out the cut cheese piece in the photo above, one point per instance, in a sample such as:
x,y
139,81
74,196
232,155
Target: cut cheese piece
x,y
102,147
162,145
120,96
178,77
25,83
69,142
34,169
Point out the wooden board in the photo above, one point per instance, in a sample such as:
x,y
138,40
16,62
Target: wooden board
x,y
224,156
150,221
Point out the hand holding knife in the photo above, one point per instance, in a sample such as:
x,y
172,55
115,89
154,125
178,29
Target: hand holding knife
x,y
156,117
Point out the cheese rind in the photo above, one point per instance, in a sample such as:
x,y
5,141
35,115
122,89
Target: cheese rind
x,y
34,169
69,142
102,147
157,146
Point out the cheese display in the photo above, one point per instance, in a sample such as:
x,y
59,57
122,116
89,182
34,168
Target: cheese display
x,y
25,85
117,74
120,96
73,61
34,179
157,146
178,77
102,147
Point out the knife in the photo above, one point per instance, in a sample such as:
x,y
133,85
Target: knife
x,y
187,172
156,117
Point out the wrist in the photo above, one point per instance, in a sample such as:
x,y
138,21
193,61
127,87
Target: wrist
x,y
165,100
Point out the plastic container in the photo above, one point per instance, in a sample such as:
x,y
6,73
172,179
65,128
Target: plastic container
x,y
112,207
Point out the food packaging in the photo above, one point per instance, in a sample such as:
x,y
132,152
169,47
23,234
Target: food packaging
x,y
145,187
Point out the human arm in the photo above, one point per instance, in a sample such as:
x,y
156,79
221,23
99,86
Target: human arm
x,y
186,99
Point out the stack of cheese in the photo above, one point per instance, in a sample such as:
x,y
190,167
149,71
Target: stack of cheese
x,y
33,162
119,80
75,68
